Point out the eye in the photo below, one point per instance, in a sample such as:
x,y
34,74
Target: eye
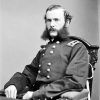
x,y
56,19
48,20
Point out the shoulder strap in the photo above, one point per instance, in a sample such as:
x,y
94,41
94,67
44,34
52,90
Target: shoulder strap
x,y
72,43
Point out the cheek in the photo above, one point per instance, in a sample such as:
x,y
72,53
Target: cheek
x,y
60,25
48,25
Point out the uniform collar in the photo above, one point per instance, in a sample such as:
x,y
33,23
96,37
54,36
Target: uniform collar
x,y
54,40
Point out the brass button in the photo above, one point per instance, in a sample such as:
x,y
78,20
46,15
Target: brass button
x,y
39,71
43,48
49,64
39,65
51,52
57,42
53,46
45,99
48,76
48,69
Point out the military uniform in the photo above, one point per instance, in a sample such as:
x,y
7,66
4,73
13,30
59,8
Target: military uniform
x,y
59,66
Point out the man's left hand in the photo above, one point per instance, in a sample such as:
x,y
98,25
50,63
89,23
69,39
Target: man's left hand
x,y
28,95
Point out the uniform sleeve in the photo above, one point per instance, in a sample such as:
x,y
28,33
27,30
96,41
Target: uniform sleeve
x,y
75,78
27,77
79,62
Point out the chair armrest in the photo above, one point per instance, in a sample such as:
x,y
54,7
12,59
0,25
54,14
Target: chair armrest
x,y
74,95
2,93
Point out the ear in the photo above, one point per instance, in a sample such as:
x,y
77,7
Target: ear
x,y
67,23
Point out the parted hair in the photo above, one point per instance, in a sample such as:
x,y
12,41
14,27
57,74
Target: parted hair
x,y
67,15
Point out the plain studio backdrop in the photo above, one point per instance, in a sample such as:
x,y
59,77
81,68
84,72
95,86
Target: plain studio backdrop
x,y
22,23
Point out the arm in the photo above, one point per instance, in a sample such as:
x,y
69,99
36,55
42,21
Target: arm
x,y
26,78
75,77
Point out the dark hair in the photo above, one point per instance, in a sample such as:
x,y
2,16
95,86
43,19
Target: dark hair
x,y
67,16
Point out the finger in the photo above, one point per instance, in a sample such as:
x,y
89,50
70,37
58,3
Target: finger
x,y
14,95
10,94
24,97
6,93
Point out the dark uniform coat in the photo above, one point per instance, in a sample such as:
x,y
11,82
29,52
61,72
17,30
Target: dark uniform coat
x,y
59,66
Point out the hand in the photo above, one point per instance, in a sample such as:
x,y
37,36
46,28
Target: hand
x,y
28,95
11,92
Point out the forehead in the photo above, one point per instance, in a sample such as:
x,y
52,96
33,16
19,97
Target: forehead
x,y
55,13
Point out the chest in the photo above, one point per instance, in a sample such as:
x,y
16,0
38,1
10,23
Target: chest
x,y
56,52
54,58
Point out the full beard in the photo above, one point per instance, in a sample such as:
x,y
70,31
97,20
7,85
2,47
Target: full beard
x,y
59,34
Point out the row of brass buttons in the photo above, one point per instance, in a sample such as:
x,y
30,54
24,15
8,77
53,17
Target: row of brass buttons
x,y
49,64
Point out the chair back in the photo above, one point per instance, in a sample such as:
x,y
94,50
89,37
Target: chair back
x,y
93,58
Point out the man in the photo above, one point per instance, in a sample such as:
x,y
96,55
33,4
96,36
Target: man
x,y
60,66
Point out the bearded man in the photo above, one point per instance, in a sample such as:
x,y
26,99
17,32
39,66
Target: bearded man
x,y
60,66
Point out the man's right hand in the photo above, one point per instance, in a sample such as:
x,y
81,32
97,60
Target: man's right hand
x,y
11,92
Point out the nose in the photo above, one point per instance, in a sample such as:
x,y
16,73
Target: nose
x,y
52,25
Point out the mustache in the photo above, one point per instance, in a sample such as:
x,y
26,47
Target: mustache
x,y
52,29
62,33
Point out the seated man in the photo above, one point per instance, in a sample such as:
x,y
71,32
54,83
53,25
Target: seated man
x,y
60,66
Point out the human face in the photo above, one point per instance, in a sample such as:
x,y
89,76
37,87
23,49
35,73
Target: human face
x,y
55,21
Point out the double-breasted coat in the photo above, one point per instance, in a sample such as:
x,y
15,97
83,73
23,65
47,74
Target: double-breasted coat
x,y
59,66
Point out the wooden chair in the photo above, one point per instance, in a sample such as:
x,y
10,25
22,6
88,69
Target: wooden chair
x,y
85,94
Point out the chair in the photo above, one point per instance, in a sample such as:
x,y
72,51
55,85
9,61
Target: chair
x,y
85,94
